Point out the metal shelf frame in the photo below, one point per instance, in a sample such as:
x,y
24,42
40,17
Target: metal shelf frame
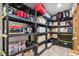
x,y
59,26
25,21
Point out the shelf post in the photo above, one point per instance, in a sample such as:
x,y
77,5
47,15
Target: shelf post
x,y
35,39
58,32
3,32
7,30
46,33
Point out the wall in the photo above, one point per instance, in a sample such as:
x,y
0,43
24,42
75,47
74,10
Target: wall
x,y
0,26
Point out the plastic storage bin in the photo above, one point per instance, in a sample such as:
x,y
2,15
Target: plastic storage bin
x,y
21,14
40,8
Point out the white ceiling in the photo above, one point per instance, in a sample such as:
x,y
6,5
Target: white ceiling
x,y
52,7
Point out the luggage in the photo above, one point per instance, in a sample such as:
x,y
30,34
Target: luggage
x,y
59,16
40,8
21,14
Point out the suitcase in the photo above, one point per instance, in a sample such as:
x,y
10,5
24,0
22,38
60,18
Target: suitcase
x,y
59,16
21,14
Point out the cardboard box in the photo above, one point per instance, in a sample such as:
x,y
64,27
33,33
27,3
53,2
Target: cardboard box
x,y
63,29
54,35
55,23
41,38
55,30
48,36
62,23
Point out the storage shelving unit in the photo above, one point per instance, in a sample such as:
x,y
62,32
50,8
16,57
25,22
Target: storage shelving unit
x,y
66,35
15,18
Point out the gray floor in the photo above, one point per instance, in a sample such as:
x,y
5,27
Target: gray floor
x,y
56,51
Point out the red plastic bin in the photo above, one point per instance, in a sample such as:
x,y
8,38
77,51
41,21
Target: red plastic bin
x,y
40,8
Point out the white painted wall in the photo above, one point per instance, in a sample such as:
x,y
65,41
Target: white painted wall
x,y
0,26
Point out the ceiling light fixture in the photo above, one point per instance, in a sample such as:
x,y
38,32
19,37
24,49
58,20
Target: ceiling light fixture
x,y
59,5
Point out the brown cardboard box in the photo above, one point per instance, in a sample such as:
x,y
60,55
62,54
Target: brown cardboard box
x,y
55,30
48,36
54,35
41,38
55,23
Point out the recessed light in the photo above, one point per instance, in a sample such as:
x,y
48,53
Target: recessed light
x,y
59,5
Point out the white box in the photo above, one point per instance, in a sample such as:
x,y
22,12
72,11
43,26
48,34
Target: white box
x,y
41,38
63,29
48,30
55,23
41,20
48,36
62,23
70,12
50,23
41,29
54,17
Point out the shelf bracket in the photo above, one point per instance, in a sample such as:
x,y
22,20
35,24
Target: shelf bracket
x,y
2,53
3,35
2,17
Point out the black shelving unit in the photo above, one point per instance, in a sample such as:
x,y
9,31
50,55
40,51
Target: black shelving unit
x,y
15,18
65,34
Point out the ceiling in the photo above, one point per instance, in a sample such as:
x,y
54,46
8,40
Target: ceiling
x,y
52,7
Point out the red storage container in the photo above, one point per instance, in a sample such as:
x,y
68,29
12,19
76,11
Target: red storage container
x,y
21,14
18,13
40,8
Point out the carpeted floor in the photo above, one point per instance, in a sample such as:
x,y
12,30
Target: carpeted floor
x,y
56,51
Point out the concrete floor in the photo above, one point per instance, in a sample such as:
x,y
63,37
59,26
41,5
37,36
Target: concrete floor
x,y
56,51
